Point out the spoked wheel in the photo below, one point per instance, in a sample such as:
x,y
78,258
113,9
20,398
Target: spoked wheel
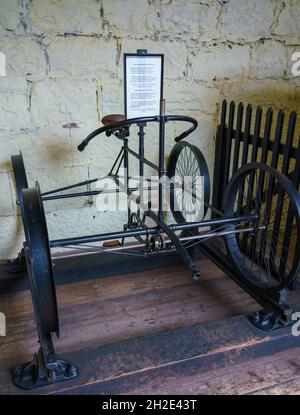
x,y
39,263
20,181
268,255
190,187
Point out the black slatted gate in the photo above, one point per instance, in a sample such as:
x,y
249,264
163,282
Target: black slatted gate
x,y
247,135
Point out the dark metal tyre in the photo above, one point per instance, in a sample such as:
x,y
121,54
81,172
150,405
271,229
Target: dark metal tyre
x,y
39,262
187,203
20,181
268,257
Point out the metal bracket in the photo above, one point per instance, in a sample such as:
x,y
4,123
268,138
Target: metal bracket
x,y
142,51
269,320
39,373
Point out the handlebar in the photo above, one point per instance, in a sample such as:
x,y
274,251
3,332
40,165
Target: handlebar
x,y
186,119
125,123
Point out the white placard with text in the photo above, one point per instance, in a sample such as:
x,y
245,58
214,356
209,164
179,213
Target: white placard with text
x,y
143,85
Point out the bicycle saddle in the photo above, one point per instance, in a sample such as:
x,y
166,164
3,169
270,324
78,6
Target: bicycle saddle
x,y
112,118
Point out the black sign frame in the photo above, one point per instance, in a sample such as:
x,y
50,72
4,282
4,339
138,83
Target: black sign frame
x,y
141,54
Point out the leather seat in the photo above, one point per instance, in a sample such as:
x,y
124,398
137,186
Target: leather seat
x,y
112,118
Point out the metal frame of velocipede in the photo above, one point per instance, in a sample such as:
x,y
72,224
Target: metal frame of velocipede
x,y
46,366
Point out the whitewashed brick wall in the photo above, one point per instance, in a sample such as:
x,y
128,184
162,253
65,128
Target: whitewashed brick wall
x,y
64,65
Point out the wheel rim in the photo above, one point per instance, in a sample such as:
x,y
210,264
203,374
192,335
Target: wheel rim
x,y
21,183
268,257
39,262
190,185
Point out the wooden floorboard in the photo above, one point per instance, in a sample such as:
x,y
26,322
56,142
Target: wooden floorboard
x,y
97,316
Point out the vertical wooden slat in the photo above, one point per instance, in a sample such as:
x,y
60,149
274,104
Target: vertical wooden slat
x,y
266,137
220,146
247,134
228,144
264,152
249,240
246,141
238,132
257,127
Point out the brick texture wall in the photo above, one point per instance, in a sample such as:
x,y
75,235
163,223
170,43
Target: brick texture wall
x,y
64,66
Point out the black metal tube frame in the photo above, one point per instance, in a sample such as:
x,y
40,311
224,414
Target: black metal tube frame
x,y
149,231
